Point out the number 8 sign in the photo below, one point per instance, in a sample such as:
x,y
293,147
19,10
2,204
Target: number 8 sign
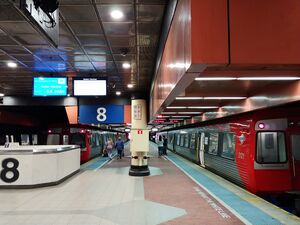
x,y
9,172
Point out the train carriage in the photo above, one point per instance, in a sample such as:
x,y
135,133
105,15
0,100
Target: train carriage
x,y
259,150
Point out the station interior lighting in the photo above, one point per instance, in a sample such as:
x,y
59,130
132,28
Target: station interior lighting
x,y
117,14
189,113
202,107
118,92
215,78
126,65
189,98
1,94
12,64
167,113
210,98
181,116
246,78
176,107
130,85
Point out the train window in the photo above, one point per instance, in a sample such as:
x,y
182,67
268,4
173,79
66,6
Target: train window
x,y
178,139
25,139
181,140
193,141
295,138
34,139
270,147
213,143
65,139
228,146
78,139
53,139
186,140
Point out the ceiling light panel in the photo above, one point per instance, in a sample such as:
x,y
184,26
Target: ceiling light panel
x,y
214,78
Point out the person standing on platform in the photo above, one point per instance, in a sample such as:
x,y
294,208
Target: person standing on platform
x,y
109,147
160,145
120,147
165,144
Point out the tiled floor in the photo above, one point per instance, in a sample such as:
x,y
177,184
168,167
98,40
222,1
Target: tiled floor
x,y
104,194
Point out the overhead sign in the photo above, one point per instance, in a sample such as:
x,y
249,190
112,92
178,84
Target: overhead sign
x,y
101,114
45,14
50,86
89,86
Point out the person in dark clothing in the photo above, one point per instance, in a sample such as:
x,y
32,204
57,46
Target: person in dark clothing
x,y
165,143
120,147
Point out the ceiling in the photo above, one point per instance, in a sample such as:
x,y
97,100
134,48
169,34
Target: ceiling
x,y
91,43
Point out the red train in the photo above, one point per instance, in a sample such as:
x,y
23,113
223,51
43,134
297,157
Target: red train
x,y
258,150
91,140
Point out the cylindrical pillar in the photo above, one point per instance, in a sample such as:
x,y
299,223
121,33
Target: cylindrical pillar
x,y
139,142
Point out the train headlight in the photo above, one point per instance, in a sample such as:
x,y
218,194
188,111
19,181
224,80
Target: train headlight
x,y
261,125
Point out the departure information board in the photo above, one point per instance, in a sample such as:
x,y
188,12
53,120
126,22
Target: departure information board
x,y
50,86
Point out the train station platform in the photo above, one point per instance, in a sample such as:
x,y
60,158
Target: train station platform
x,y
176,192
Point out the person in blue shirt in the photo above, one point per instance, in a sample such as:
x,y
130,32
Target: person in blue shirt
x,y
120,147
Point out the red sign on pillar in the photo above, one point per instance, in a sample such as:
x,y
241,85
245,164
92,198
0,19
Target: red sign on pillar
x,y
140,132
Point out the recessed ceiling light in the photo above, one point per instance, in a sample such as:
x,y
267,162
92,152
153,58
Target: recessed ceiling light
x,y
126,65
12,64
130,85
117,14
118,92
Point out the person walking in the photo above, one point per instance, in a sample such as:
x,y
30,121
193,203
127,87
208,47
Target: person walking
x,y
165,144
109,147
120,147
160,145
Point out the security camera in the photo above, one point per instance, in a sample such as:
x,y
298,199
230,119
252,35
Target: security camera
x,y
48,6
124,51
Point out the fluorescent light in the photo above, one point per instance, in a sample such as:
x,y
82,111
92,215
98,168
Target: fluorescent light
x,y
189,98
117,14
1,94
130,85
181,116
167,113
232,107
203,107
224,98
268,78
189,112
215,78
126,65
12,64
176,107
215,113
118,92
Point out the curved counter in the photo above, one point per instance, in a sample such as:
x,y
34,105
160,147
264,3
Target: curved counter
x,y
38,165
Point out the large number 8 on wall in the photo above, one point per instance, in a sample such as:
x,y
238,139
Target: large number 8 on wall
x,y
101,114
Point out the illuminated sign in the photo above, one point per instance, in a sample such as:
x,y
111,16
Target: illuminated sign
x,y
50,86
89,87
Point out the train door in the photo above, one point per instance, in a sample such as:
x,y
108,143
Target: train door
x,y
295,153
201,138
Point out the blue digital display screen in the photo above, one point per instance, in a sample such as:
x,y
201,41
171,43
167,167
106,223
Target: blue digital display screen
x,y
50,86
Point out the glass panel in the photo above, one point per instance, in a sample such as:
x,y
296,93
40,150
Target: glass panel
x,y
53,139
193,140
271,147
295,138
228,146
213,143
25,139
78,139
34,139
186,141
65,139
178,140
181,140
